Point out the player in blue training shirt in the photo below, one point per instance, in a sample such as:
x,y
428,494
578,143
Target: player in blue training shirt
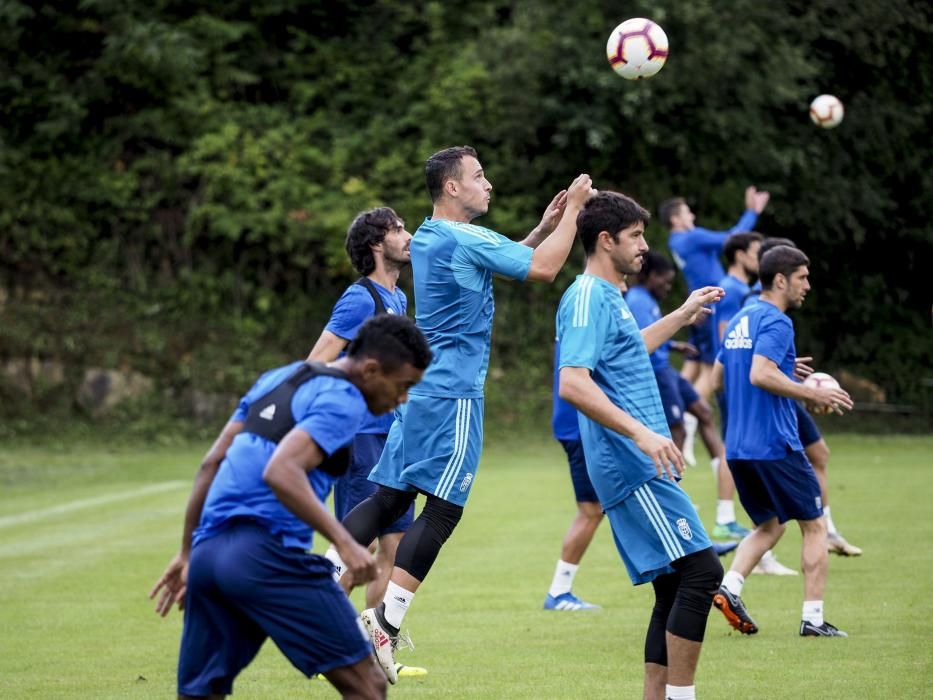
x,y
774,479
814,445
677,395
435,442
605,373
244,572
696,251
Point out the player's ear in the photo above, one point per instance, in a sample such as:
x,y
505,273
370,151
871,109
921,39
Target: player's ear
x,y
450,187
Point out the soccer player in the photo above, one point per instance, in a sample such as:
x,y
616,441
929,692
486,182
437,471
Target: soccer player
x,y
814,445
435,442
244,572
696,251
605,373
741,253
677,395
774,479
378,246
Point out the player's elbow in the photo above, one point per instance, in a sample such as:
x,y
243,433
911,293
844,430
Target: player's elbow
x,y
757,378
273,475
542,270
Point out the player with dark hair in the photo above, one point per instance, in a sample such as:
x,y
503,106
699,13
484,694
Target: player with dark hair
x,y
435,442
814,444
741,253
775,481
244,572
632,462
678,397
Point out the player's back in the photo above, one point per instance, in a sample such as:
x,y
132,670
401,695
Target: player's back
x,y
452,264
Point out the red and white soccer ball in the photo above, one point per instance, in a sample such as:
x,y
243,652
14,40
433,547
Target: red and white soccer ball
x,y
826,111
820,380
637,48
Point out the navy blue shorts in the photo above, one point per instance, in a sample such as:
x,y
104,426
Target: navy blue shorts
x,y
701,337
806,426
783,488
582,486
244,586
354,486
676,394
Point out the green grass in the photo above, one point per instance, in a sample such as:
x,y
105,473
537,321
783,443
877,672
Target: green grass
x,y
84,532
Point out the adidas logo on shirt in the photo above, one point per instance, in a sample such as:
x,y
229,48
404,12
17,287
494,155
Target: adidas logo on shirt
x,y
738,338
268,412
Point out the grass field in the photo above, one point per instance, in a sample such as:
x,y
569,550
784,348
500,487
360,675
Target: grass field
x,y
84,532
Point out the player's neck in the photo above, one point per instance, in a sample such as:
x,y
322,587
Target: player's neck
x,y
450,211
774,299
602,267
739,273
386,277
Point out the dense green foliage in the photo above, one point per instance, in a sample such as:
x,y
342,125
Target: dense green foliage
x,y
176,177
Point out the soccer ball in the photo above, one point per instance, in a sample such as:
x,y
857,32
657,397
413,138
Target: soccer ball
x,y
826,111
637,48
819,380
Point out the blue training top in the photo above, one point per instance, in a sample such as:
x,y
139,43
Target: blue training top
x,y
563,415
646,311
354,307
328,409
453,264
697,251
736,291
760,425
597,331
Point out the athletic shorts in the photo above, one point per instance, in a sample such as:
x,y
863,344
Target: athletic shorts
x,y
701,337
582,486
354,486
806,426
784,488
244,586
654,527
676,394
433,447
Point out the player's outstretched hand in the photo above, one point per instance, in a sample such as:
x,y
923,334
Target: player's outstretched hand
x,y
662,451
171,586
361,566
826,399
755,200
802,369
689,351
553,213
580,191
694,309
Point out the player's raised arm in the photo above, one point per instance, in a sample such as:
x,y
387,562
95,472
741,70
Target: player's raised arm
x,y
549,257
693,309
173,582
550,219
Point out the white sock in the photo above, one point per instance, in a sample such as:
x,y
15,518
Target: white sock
x,y
396,600
690,428
563,578
813,612
725,511
830,525
680,692
733,582
334,558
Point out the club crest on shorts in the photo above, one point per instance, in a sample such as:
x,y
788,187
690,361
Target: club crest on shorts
x,y
465,484
684,527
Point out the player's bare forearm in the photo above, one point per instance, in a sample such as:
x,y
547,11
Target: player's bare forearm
x,y
549,257
765,374
327,348
579,390
661,331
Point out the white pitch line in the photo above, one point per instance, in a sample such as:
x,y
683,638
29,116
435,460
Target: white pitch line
x,y
33,515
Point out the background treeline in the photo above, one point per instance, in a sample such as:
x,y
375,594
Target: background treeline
x,y
176,178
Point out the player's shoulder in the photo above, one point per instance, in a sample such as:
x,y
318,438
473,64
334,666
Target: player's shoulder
x,y
473,235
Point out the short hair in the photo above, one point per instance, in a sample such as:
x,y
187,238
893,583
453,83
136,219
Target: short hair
x,y
656,263
445,165
782,259
607,211
393,340
369,228
771,243
669,208
740,241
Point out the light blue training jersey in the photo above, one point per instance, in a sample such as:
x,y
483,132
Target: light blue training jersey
x,y
597,331
453,264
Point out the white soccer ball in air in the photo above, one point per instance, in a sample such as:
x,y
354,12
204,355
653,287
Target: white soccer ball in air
x,y
826,111
820,380
637,48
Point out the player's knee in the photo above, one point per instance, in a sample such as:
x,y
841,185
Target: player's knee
x,y
442,516
818,454
592,512
700,576
392,502
702,411
373,685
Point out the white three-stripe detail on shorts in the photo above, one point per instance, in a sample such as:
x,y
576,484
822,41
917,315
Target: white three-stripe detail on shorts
x,y
463,449
581,308
656,516
461,428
